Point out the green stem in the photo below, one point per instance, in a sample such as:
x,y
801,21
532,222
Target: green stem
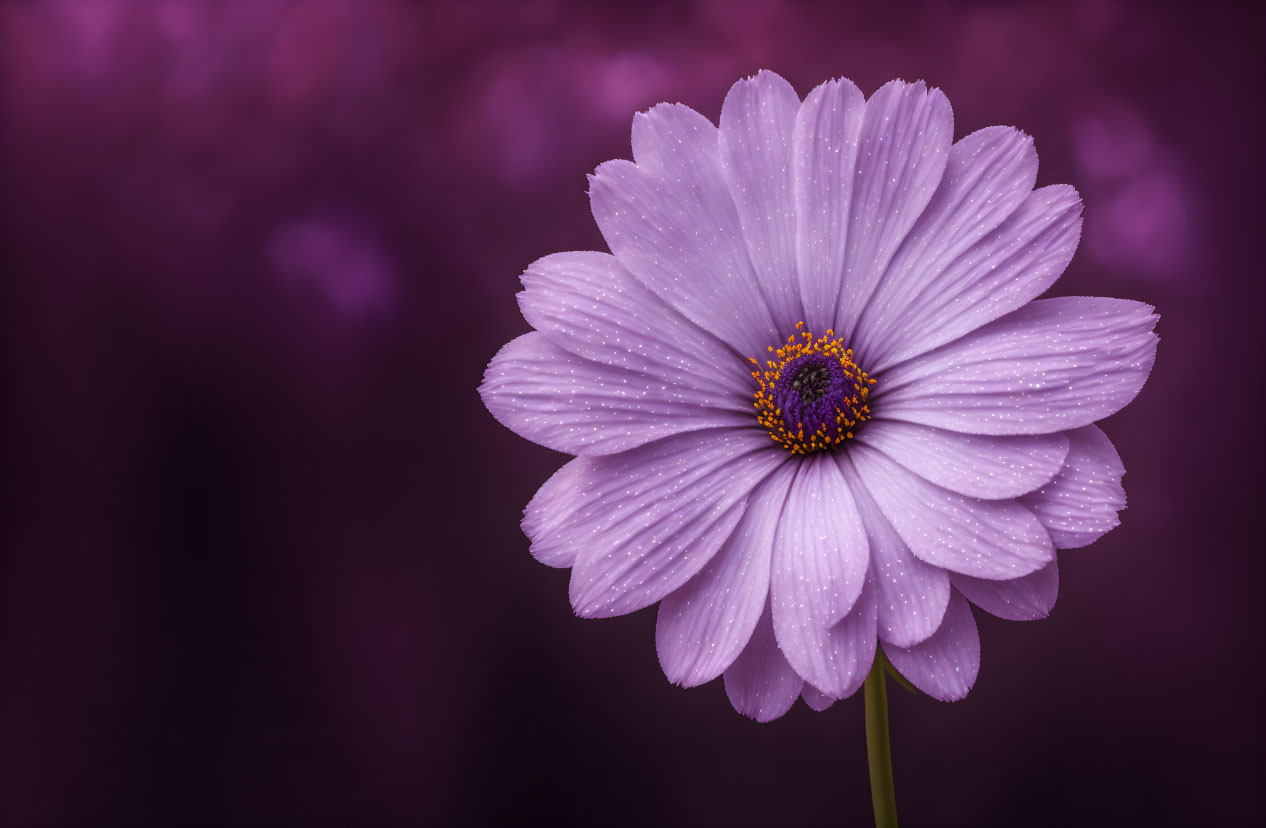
x,y
878,749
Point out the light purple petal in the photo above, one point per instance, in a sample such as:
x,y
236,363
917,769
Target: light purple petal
x,y
911,595
989,174
553,505
816,699
670,219
757,120
561,401
987,467
1080,505
834,659
823,163
589,304
654,516
1053,365
997,539
820,551
1021,599
902,151
703,626
946,665
1014,264
760,683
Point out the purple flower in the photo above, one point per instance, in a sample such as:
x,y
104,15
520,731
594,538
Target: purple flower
x,y
815,405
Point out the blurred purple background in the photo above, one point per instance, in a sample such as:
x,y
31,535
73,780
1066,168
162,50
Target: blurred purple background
x,y
260,560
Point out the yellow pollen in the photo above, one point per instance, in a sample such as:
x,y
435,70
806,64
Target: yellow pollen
x,y
769,413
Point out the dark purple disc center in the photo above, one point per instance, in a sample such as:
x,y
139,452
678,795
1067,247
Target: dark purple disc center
x,y
811,391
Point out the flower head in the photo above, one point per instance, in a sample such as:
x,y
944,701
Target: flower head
x,y
815,404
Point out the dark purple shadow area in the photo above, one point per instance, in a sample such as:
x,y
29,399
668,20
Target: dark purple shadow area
x,y
260,561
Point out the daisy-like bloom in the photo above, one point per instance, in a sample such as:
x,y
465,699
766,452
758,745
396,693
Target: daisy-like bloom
x,y
815,405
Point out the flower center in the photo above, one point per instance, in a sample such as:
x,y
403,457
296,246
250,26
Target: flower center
x,y
812,395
